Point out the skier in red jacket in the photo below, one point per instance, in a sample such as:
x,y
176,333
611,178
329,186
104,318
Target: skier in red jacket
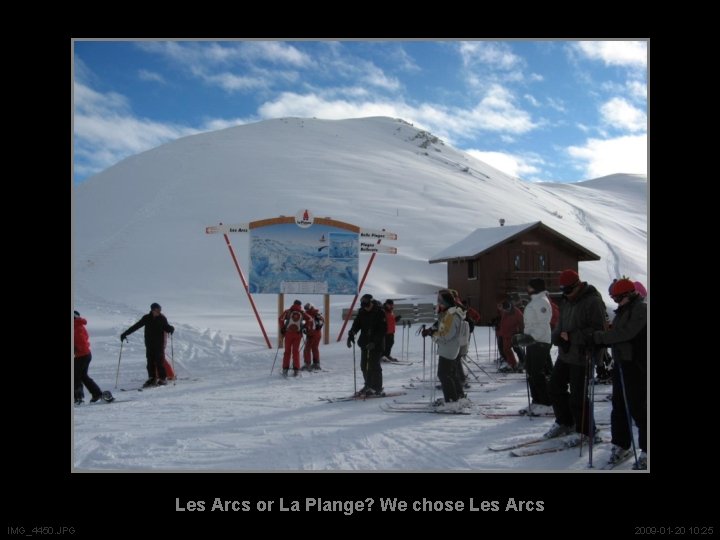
x,y
313,331
391,320
83,356
292,323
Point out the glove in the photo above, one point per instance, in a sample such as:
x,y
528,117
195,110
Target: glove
x,y
172,329
427,332
350,341
370,346
398,317
305,331
123,337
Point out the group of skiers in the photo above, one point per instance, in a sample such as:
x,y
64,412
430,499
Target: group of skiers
x,y
579,328
581,333
294,324
158,368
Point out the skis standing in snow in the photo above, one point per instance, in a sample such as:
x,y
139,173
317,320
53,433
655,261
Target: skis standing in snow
x,y
372,325
155,325
82,358
628,338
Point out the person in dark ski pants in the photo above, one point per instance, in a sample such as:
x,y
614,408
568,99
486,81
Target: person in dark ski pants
x,y
155,325
581,314
449,336
313,331
391,320
536,320
628,339
370,322
83,356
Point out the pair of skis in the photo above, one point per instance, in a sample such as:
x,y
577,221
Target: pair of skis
x,y
536,445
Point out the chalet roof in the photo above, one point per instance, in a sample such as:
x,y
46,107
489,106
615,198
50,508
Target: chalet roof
x,y
482,240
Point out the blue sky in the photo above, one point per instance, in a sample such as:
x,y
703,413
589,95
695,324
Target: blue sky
x,y
540,110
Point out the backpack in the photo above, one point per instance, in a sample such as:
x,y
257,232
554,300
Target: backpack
x,y
319,321
294,320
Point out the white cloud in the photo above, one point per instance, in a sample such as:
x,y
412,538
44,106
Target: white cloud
x,y
210,62
495,112
404,60
637,89
615,53
277,52
231,83
583,127
510,164
203,54
556,104
493,53
620,114
377,77
106,131
620,155
88,101
151,76
214,124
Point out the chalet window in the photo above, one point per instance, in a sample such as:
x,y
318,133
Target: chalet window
x,y
516,262
542,263
472,269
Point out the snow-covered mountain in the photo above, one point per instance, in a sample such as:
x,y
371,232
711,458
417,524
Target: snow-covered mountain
x,y
139,225
139,237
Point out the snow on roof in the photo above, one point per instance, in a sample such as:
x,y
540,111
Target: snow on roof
x,y
479,241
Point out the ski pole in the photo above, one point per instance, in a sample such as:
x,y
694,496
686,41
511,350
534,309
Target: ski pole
x,y
591,406
117,375
470,371
423,377
627,410
172,359
276,355
407,349
489,346
477,355
584,403
354,369
527,382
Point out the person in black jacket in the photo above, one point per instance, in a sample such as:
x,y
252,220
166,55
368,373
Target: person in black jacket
x,y
581,314
628,338
372,325
155,325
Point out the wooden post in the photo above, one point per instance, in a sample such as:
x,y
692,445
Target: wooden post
x,y
326,330
281,304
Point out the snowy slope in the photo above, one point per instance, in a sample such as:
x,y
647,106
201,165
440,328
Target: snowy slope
x,y
139,237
